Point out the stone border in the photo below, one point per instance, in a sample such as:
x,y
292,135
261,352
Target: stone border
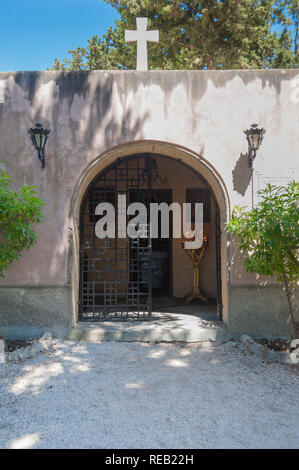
x,y
44,343
39,346
266,353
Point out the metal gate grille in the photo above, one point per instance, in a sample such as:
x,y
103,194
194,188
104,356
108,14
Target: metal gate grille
x,y
115,273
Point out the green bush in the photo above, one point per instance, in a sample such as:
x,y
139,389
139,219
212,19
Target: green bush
x,y
268,235
19,210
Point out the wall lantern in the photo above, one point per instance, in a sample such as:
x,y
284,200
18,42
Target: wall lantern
x,y
39,137
254,137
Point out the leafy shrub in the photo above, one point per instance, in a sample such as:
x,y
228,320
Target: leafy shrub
x,y
19,210
269,237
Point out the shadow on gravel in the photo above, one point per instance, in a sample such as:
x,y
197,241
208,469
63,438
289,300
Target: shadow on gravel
x,y
141,395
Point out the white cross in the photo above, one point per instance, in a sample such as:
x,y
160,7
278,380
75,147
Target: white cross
x,y
141,36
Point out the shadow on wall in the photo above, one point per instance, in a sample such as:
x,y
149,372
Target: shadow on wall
x,y
87,115
104,119
242,175
84,110
239,275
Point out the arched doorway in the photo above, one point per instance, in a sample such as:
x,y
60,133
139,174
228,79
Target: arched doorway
x,y
123,277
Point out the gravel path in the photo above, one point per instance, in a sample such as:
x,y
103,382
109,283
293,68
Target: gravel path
x,y
136,395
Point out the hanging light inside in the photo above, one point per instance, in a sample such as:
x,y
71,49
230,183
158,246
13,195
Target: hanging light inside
x,y
151,173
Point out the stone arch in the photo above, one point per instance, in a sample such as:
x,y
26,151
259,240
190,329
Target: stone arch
x,y
188,157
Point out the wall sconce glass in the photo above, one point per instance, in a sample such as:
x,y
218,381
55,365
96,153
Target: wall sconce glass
x,y
39,137
254,137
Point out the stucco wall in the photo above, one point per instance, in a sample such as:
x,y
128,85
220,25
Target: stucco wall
x,y
91,112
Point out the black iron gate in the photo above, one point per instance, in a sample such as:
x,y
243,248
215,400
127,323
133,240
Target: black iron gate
x,y
115,273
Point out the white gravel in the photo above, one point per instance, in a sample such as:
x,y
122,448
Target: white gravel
x,y
137,395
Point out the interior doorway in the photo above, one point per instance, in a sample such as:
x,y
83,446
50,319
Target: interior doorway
x,y
161,256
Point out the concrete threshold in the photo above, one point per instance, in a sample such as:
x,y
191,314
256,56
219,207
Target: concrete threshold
x,y
163,327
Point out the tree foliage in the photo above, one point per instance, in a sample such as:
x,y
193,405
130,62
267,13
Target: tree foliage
x,y
269,236
197,34
18,211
